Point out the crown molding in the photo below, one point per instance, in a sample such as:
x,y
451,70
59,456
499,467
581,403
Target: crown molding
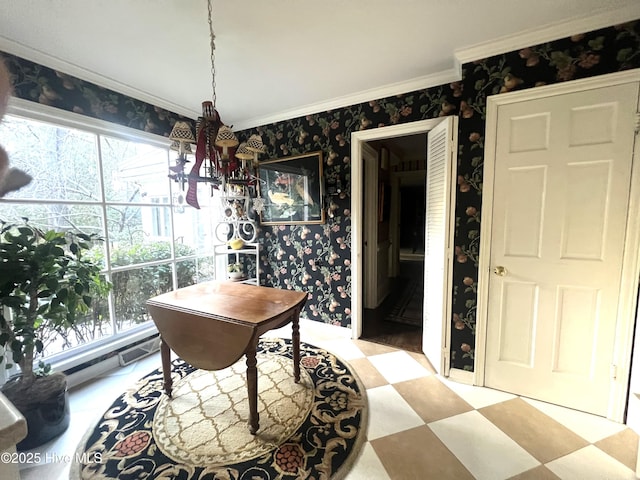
x,y
554,31
48,114
418,83
56,63
461,56
526,38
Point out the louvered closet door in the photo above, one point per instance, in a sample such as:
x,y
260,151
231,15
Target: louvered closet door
x,y
438,243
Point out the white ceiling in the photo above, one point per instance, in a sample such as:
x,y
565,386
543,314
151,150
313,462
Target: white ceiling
x,y
277,59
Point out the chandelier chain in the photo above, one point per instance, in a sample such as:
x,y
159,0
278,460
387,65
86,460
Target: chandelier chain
x,y
212,37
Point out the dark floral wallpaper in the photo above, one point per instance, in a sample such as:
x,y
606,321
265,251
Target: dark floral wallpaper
x,y
316,258
47,86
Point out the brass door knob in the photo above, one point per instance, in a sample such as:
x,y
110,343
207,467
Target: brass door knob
x,y
500,271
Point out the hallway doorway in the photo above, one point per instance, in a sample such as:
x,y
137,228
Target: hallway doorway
x,y
441,163
397,320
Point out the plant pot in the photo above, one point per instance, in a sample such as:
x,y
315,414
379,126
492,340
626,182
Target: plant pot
x,y
236,275
44,405
46,421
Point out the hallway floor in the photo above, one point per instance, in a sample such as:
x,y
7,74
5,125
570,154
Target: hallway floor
x,y
380,325
421,426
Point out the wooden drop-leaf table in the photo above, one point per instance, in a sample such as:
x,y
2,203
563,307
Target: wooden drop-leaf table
x,y
211,325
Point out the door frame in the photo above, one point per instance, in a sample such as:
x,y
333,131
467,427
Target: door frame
x,y
370,227
357,169
631,257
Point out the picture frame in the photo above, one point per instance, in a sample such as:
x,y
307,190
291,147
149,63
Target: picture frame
x,y
293,190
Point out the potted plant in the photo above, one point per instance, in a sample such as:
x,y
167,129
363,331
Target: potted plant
x,y
235,271
46,283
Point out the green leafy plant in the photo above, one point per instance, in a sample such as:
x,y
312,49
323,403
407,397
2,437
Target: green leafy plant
x,y
234,267
46,282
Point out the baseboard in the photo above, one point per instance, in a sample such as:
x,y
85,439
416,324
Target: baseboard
x,y
461,376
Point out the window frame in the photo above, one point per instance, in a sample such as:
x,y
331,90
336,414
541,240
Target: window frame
x,y
88,352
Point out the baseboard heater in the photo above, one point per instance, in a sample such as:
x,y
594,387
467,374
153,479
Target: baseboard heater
x,y
139,351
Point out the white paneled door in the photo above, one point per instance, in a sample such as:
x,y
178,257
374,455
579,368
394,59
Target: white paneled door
x,y
560,206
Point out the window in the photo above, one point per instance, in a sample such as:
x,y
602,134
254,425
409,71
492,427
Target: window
x,y
97,178
160,221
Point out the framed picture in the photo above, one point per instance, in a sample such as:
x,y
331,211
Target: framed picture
x,y
292,189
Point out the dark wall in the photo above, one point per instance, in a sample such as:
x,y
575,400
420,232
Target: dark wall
x,y
316,258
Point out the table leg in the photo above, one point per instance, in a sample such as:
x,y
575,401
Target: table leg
x,y
252,387
165,355
295,340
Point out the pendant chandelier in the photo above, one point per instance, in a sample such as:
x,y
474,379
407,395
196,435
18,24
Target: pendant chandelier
x,y
220,159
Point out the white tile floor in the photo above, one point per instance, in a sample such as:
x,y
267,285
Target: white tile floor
x,y
589,463
463,443
480,446
391,413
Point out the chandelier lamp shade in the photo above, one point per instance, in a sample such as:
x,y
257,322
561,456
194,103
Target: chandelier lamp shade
x,y
243,153
254,144
220,159
182,134
177,145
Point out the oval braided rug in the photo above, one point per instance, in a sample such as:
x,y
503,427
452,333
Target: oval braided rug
x,y
311,430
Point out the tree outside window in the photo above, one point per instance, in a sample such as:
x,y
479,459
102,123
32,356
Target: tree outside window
x,y
94,181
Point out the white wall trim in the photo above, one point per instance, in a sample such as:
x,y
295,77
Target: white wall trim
x,y
554,31
628,302
461,376
432,80
600,19
527,38
631,259
370,231
56,63
45,113
405,86
357,170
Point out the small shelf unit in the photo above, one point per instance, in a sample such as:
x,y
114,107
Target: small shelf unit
x,y
251,249
236,225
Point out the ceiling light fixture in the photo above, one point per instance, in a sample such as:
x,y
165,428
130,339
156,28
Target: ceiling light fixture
x,y
228,166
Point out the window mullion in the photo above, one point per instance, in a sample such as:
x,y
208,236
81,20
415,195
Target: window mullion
x,y
107,243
